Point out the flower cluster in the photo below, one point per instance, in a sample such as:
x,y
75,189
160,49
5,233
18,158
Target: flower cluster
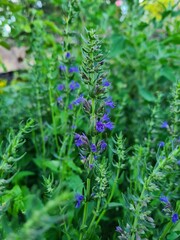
x,y
168,209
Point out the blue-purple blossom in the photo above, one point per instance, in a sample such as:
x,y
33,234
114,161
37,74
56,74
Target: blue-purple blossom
x,y
74,85
100,127
164,199
79,198
80,139
73,69
109,103
175,217
178,162
79,100
93,148
105,118
105,83
91,166
59,99
68,55
161,144
109,125
103,145
62,68
70,106
119,229
164,125
60,87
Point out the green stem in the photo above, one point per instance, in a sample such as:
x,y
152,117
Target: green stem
x,y
40,122
52,115
83,225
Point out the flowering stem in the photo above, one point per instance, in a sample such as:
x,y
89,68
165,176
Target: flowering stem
x,y
110,197
169,226
145,187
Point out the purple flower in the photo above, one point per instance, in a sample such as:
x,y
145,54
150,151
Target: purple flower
x,y
73,69
80,139
109,103
105,83
164,199
109,125
105,118
100,127
62,68
59,99
79,198
103,145
60,87
161,144
164,125
68,55
79,100
178,162
93,148
74,85
119,229
70,106
91,166
175,217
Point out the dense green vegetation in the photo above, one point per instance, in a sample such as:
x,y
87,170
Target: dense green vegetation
x,y
89,128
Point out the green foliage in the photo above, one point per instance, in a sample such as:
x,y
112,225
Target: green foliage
x,y
77,54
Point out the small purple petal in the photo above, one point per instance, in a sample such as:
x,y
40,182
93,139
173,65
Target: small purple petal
x,y
79,100
79,198
62,68
109,125
60,87
105,83
164,125
100,127
161,144
109,103
164,199
73,69
105,118
93,148
103,145
175,217
59,99
74,85
119,229
68,55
